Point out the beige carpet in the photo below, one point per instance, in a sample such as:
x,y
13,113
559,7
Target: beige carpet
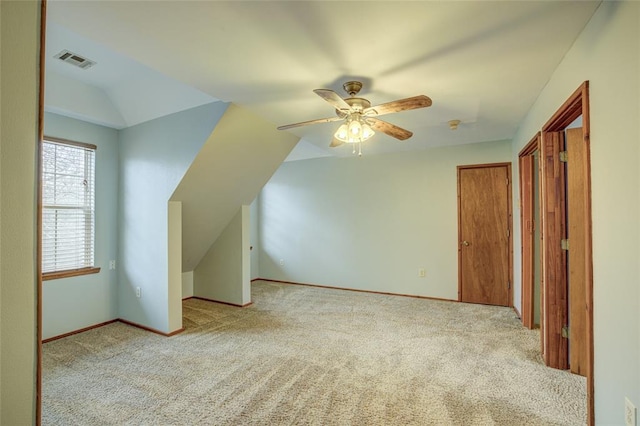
x,y
311,356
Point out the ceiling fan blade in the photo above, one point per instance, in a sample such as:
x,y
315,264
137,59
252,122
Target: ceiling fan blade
x,y
306,123
335,142
420,101
390,129
333,98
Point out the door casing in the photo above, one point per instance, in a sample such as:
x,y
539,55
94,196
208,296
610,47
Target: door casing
x,y
526,167
554,277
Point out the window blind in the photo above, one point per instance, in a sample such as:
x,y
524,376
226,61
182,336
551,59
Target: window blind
x,y
68,200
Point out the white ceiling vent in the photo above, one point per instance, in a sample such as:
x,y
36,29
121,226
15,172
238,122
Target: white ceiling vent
x,y
75,59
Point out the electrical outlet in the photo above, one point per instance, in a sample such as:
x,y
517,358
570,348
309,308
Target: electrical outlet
x,y
112,264
281,262
138,292
422,273
629,413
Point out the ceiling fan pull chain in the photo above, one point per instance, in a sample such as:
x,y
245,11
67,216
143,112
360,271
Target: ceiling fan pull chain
x,y
354,148
359,149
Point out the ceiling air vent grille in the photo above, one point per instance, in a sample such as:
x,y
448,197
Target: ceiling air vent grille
x,y
75,59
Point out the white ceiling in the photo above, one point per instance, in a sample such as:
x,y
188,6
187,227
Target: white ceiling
x,y
481,62
117,92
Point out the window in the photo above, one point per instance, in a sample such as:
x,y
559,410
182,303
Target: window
x,y
68,214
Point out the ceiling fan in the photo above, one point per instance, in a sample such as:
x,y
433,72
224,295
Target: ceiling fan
x,y
360,117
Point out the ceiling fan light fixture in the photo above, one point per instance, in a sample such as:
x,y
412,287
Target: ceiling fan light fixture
x,y
354,130
367,132
342,132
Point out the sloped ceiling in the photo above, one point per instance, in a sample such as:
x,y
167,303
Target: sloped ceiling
x,y
481,62
117,92
209,201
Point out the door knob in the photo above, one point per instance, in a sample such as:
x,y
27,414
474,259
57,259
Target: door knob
x,y
465,243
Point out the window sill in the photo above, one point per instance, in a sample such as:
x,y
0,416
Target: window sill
x,y
70,273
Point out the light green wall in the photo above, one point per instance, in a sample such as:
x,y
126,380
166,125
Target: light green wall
x,y
61,312
369,222
187,284
19,41
223,274
1,234
233,165
154,156
607,53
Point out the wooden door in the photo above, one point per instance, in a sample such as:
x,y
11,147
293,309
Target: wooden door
x,y
577,216
484,213
554,298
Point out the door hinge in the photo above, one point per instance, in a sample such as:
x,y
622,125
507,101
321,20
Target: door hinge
x,y
564,244
564,156
507,181
508,233
565,331
508,285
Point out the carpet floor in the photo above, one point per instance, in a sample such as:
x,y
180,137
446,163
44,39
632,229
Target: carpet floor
x,y
312,356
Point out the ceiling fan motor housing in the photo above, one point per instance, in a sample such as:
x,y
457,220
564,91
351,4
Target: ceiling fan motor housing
x,y
356,104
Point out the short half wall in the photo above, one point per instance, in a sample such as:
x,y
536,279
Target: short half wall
x,y
224,273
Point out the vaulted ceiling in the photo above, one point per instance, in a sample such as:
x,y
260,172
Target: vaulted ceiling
x,y
481,62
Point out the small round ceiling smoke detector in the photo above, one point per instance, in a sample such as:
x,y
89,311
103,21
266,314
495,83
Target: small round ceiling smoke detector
x,y
453,124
